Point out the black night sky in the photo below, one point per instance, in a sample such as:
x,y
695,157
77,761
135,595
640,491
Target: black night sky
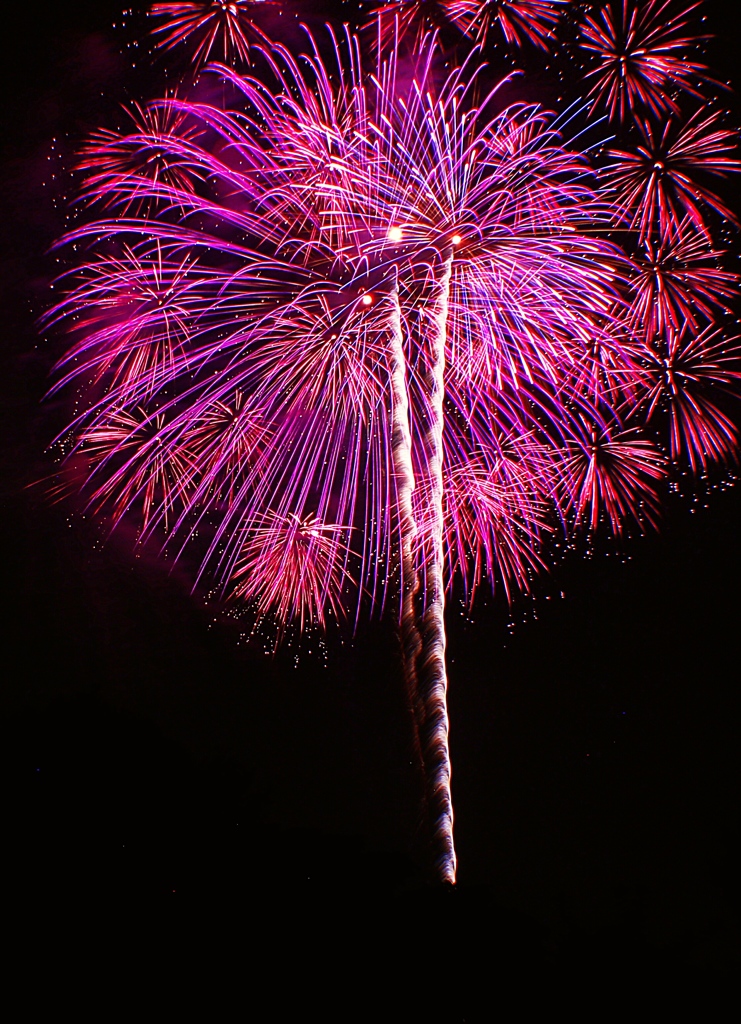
x,y
152,756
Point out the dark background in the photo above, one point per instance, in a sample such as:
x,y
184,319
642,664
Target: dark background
x,y
152,756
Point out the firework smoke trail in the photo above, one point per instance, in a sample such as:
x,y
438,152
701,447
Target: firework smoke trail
x,y
404,476
432,672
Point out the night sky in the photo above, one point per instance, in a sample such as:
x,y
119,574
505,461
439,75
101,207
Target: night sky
x,y
153,755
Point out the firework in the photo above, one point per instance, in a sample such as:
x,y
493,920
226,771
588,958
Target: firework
x,y
342,275
116,160
345,338
514,21
680,281
640,57
611,473
661,183
287,547
210,29
687,372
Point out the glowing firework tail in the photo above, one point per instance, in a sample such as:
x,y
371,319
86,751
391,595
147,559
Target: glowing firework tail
x,y
432,673
404,475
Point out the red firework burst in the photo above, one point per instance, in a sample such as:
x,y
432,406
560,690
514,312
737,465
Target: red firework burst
x,y
213,28
658,184
302,549
677,281
118,164
140,320
125,452
684,370
518,21
640,55
611,473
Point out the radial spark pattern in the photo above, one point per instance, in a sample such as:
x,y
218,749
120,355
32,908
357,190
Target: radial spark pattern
x,y
210,29
639,51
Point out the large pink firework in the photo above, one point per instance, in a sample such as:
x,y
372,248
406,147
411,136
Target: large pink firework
x,y
353,339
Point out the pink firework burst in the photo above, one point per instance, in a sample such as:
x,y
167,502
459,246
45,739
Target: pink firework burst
x,y
639,50
211,29
496,512
130,470
661,184
686,371
289,547
611,473
680,281
140,304
112,160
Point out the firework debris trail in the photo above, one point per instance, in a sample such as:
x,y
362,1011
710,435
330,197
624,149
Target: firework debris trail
x,y
432,669
404,476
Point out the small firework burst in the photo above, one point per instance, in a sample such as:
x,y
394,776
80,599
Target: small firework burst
x,y
210,29
686,374
639,51
612,473
130,163
512,21
293,567
131,472
660,185
679,281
